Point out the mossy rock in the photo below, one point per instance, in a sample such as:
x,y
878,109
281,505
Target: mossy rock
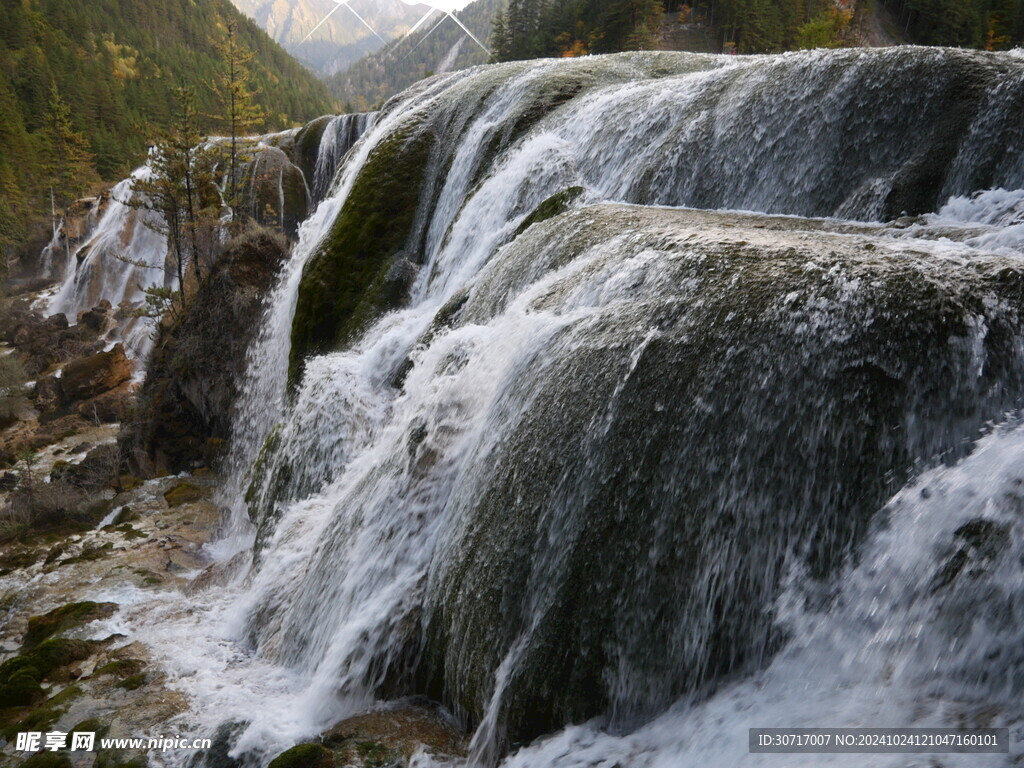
x,y
343,286
64,618
132,682
306,148
20,676
89,553
393,736
121,668
304,756
92,725
551,207
185,493
45,715
825,375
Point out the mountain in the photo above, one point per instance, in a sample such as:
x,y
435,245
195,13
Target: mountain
x,y
439,45
96,81
339,41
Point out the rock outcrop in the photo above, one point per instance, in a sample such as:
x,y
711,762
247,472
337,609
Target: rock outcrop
x,y
183,408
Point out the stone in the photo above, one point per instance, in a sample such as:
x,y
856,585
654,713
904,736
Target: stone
x,y
90,376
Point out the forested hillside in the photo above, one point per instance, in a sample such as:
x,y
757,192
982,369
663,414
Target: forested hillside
x,y
86,87
534,28
439,45
989,24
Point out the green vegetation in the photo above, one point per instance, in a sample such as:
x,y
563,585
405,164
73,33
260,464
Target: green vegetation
x,y
532,28
343,286
87,86
990,24
304,756
64,618
184,493
20,676
551,207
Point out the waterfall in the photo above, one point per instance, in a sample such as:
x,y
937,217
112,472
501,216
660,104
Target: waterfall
x,y
339,135
629,460
124,253
108,249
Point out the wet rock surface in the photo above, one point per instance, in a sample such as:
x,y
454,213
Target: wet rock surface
x,y
183,409
71,662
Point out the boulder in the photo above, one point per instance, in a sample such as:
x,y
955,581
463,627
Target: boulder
x,y
49,396
91,376
109,407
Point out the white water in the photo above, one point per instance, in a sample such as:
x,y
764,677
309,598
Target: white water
x,y
368,514
889,651
125,254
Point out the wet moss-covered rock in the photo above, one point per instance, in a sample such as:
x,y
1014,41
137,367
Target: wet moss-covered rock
x,y
185,493
304,756
48,760
760,394
306,148
275,192
552,206
390,737
20,676
64,618
344,285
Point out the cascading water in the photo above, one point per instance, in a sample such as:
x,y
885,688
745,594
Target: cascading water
x,y
610,462
339,136
116,250
125,253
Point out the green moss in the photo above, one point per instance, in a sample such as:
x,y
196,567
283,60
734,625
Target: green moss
x,y
126,515
554,205
184,493
20,676
304,756
92,725
110,758
66,696
120,668
343,285
132,682
307,145
42,718
130,533
376,755
64,618
89,553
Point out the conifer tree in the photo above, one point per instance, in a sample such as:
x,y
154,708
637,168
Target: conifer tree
x,y
69,164
176,187
241,115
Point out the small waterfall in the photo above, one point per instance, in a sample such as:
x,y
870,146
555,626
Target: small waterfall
x,y
74,228
339,136
615,467
108,249
125,253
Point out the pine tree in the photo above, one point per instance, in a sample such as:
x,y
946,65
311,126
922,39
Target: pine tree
x,y
241,115
176,187
499,38
69,164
